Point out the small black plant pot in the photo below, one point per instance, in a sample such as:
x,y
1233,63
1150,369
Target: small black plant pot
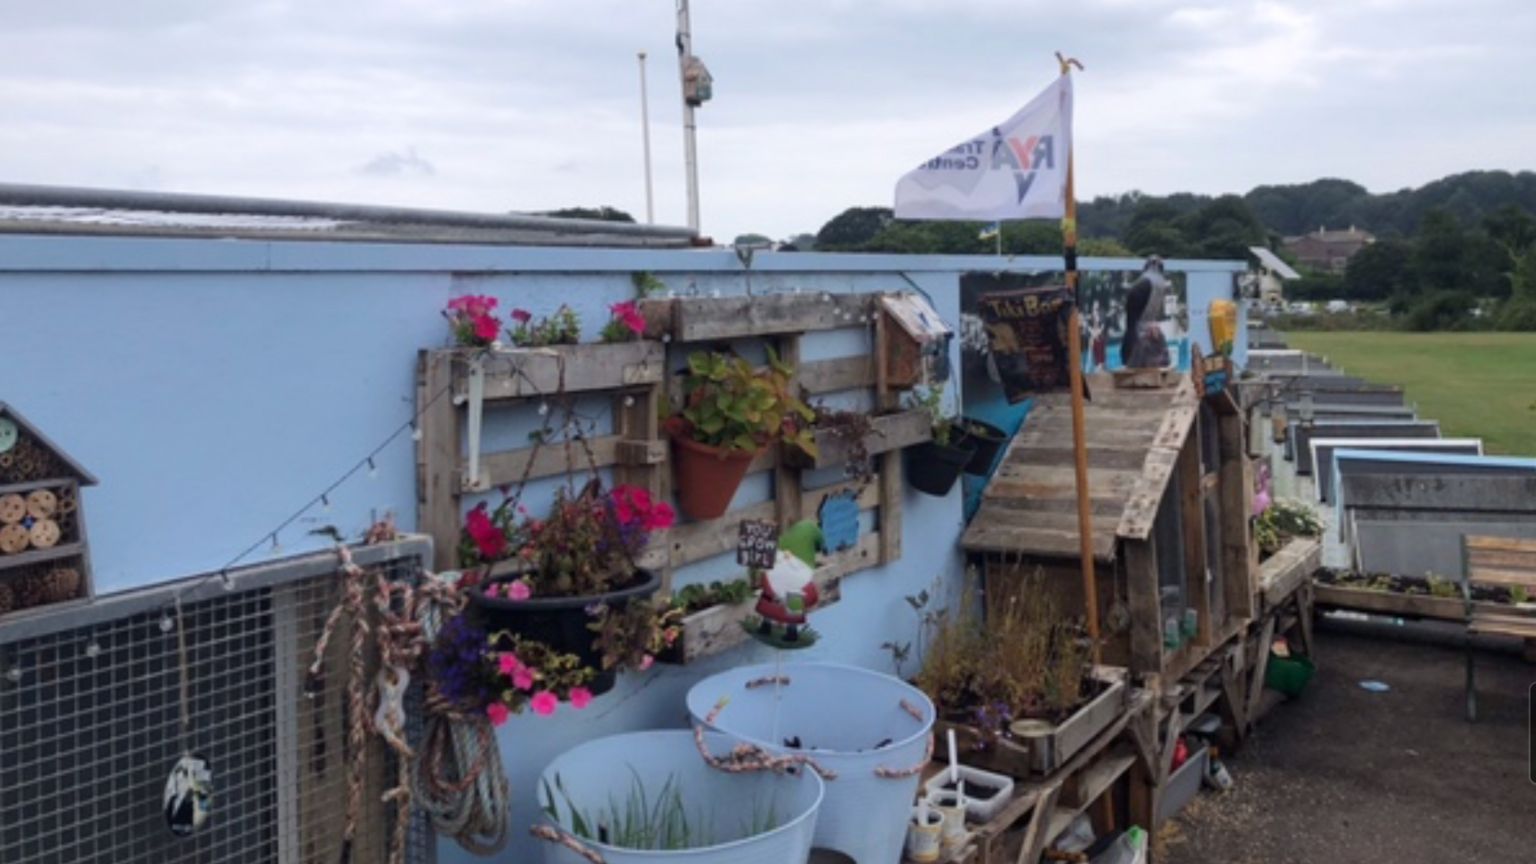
x,y
560,622
933,468
988,440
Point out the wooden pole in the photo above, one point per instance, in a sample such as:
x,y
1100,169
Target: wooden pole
x,y
1079,433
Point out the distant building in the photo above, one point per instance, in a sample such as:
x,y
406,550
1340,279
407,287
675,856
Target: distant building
x,y
1328,251
1265,282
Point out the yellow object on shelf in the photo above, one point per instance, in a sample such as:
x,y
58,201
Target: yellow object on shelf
x,y
1223,326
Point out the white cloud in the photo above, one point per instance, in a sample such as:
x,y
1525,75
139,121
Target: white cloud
x,y
532,104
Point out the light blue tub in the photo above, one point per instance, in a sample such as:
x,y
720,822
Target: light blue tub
x,y
861,725
604,770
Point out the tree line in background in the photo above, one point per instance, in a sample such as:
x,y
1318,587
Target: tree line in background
x,y
1462,243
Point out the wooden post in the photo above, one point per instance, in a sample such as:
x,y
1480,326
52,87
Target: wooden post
x,y
1079,433
891,486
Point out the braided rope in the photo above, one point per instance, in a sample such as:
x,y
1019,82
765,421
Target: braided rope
x,y
902,773
746,758
560,838
457,778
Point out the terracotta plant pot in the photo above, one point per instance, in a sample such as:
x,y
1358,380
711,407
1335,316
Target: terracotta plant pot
x,y
706,477
933,468
560,622
988,440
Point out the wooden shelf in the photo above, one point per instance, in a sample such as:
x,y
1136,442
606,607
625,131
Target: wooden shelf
x,y
887,433
704,319
524,373
718,628
39,556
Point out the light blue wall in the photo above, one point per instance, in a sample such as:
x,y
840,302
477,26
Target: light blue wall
x,y
215,387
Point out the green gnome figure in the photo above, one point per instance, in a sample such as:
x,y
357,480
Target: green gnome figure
x,y
788,592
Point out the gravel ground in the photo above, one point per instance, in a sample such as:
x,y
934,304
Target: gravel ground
x,y
1349,776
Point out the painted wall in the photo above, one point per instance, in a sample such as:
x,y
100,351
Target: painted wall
x,y
216,388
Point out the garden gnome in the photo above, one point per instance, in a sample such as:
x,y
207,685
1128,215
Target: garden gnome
x,y
789,589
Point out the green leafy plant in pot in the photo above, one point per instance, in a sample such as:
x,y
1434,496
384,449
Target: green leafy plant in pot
x,y
579,590
731,412
934,465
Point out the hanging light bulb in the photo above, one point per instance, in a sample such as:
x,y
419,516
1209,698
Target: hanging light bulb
x,y
373,472
543,409
277,548
13,674
629,401
325,503
415,431
166,624
93,650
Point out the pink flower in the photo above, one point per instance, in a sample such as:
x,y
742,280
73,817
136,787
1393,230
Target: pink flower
x,y
522,678
486,328
628,314
509,664
488,538
522,316
581,697
518,590
646,662
544,703
662,516
497,712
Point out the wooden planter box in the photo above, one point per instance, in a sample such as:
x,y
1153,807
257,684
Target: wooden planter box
x,y
887,432
1286,570
1394,604
1045,751
710,631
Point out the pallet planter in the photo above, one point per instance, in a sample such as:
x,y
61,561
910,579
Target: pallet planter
x,y
1037,748
453,386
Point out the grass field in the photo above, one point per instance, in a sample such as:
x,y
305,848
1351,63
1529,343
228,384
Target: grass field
x,y
1480,385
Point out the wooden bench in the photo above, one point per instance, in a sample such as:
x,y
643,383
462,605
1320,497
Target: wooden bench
x,y
1496,562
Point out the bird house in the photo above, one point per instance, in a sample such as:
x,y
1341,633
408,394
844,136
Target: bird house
x,y
914,335
44,556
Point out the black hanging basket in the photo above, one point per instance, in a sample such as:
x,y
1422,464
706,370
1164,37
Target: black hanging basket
x,y
560,622
933,468
989,440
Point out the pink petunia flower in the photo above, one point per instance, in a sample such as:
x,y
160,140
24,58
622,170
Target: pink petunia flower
x,y
486,328
509,664
518,590
497,712
522,316
522,678
581,697
628,314
544,703
489,539
646,662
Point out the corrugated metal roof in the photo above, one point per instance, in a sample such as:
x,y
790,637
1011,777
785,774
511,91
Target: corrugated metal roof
x,y
63,210
1273,263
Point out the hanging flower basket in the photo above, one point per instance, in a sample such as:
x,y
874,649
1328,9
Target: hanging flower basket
x,y
564,624
933,468
989,441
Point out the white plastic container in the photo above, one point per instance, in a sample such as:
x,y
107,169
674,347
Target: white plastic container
x,y
979,809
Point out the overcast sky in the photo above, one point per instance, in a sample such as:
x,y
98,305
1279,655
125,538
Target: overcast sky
x,y
819,104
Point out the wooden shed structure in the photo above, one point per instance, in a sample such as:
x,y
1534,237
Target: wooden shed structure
x,y
1170,492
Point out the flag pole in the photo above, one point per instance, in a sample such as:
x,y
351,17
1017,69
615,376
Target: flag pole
x,y
1079,433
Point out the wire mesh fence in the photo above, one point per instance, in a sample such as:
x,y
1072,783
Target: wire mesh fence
x,y
90,725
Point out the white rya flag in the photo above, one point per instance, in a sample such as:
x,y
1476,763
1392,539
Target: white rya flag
x,y
1016,170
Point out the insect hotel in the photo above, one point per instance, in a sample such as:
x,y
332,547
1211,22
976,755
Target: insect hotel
x,y
44,555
